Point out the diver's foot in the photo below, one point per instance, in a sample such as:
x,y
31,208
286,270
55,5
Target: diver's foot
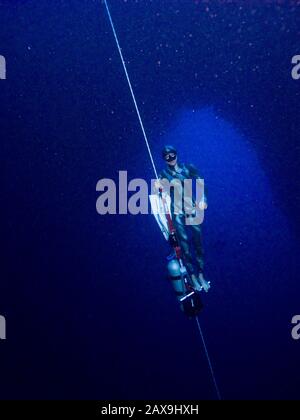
x,y
205,285
196,284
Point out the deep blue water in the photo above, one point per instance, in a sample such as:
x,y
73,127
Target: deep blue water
x,y
89,311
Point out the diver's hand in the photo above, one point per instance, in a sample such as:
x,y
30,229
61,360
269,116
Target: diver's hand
x,y
158,185
203,205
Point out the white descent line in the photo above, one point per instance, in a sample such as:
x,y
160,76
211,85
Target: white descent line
x,y
131,89
209,361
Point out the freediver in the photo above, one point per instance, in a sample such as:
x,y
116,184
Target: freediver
x,y
189,236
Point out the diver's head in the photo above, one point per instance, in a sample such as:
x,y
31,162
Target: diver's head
x,y
169,154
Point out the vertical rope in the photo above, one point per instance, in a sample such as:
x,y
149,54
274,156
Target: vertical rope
x,y
131,89
209,361
155,171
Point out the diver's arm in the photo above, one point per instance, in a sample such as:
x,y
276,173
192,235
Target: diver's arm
x,y
193,171
194,174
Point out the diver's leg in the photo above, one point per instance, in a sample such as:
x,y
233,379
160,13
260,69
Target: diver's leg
x,y
198,247
183,239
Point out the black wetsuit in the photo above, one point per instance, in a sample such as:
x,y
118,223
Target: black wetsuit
x,y
186,234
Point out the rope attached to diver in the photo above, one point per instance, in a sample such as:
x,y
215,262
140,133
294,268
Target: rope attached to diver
x,y
154,168
131,89
208,360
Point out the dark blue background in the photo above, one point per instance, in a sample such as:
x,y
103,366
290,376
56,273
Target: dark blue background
x,y
89,312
